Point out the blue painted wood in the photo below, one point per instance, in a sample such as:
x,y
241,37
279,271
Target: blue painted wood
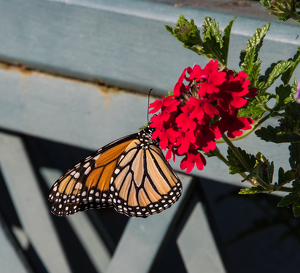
x,y
143,238
30,204
89,116
197,244
9,260
85,115
122,43
84,229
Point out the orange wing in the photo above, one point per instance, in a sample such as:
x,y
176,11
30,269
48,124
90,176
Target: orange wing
x,y
131,174
86,185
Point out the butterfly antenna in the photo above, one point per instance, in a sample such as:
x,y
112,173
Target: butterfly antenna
x,y
148,105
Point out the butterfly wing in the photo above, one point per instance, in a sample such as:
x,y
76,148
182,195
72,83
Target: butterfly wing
x,y
86,185
130,174
143,183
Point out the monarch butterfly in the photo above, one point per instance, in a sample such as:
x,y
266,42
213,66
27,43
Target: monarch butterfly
x,y
130,174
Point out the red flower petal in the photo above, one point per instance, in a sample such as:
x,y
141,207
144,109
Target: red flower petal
x,y
184,120
179,86
184,140
190,159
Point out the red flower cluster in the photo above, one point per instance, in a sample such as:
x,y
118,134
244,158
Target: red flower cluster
x,y
204,106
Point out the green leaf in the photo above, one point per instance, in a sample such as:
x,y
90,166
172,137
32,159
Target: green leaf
x,y
288,130
271,134
285,177
255,108
291,121
282,93
186,32
212,32
252,190
283,9
270,173
294,90
263,170
274,71
212,37
288,199
294,159
250,63
287,75
296,211
213,46
226,40
292,198
235,166
296,187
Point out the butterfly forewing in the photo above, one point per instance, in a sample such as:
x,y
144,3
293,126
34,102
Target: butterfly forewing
x,y
86,185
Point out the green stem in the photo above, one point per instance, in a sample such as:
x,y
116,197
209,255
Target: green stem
x,y
284,189
218,154
236,153
244,163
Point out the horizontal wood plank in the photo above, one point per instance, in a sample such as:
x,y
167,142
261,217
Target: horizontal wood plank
x,y
89,116
122,43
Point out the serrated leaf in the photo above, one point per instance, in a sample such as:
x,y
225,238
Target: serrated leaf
x,y
296,186
294,159
287,200
287,75
271,134
251,111
289,176
261,157
226,40
297,202
285,177
212,32
294,89
186,32
296,211
274,71
270,173
284,10
235,166
212,39
291,121
250,63
292,198
252,190
282,92
255,108
280,175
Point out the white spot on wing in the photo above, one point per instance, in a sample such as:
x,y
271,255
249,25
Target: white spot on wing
x,y
87,170
78,186
96,157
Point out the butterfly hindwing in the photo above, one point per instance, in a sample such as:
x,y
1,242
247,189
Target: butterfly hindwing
x,y
143,183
